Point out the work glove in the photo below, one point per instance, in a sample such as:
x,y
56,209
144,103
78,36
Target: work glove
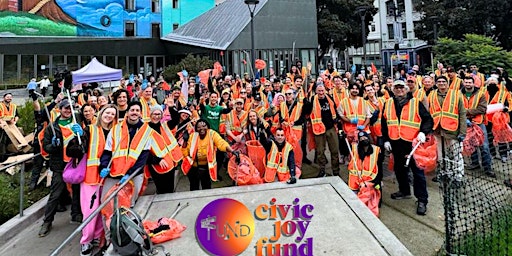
x,y
421,137
353,121
461,137
237,155
505,109
184,73
55,141
104,172
124,178
77,129
292,180
387,146
360,127
469,123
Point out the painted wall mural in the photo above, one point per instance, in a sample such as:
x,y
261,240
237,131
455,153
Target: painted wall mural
x,y
87,18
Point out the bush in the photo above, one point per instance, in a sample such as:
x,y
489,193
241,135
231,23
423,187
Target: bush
x,y
192,64
27,120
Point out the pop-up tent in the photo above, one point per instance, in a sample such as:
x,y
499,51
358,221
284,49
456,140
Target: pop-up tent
x,y
94,71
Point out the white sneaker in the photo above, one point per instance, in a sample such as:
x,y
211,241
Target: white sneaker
x,y
86,249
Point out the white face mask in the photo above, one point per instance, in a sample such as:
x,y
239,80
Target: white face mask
x,y
495,76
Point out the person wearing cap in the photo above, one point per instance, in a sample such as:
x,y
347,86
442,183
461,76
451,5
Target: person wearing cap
x,y
236,120
497,93
403,120
375,105
43,85
55,143
476,108
163,178
363,166
354,113
178,98
181,124
147,101
226,102
453,79
257,105
416,91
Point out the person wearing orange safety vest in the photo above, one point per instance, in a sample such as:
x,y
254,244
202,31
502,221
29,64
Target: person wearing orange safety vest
x,y
354,113
56,145
8,116
236,120
453,79
292,120
94,137
376,104
280,159
339,91
323,120
127,149
449,114
200,163
147,101
475,103
405,118
416,91
497,93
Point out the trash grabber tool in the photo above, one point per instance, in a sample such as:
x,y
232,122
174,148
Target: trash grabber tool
x,y
50,121
179,208
73,114
410,154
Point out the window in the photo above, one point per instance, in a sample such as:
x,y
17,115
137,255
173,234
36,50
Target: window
x,y
155,5
155,30
129,29
390,5
404,30
372,27
174,4
175,26
391,32
129,4
400,6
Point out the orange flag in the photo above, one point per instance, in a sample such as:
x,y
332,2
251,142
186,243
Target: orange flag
x,y
374,69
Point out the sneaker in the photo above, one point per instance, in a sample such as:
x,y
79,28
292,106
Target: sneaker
x,y
422,208
45,229
398,195
490,174
503,159
86,249
473,167
321,173
76,219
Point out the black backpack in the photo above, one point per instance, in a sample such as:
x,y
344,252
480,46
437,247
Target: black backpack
x,y
128,236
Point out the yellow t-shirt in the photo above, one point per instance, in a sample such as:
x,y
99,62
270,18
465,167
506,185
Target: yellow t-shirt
x,y
202,147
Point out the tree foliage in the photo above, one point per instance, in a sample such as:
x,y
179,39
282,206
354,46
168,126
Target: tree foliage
x,y
454,19
193,65
472,49
339,23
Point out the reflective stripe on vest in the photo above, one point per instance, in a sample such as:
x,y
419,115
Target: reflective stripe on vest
x,y
408,127
420,94
146,108
237,124
376,128
277,161
210,153
8,113
294,116
67,135
448,115
367,168
472,103
96,148
128,151
171,143
316,115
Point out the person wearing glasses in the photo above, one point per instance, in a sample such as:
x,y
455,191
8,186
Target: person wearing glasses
x,y
416,92
399,110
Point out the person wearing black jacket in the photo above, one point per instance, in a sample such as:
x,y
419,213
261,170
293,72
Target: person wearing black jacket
x,y
280,142
402,146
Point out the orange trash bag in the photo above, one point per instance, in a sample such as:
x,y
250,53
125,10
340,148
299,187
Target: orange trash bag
x,y
391,163
474,138
311,138
163,230
256,153
124,199
243,173
500,128
370,197
426,154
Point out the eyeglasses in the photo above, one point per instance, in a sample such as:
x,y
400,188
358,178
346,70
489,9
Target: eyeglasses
x,y
156,114
243,92
399,87
410,81
288,93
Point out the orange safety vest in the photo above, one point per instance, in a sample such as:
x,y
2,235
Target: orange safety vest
x,y
81,99
96,147
7,113
472,103
291,117
376,128
67,136
420,94
210,154
500,97
351,113
339,96
222,124
237,123
447,115
408,127
126,154
171,144
367,169
455,84
146,108
40,137
275,124
277,163
316,115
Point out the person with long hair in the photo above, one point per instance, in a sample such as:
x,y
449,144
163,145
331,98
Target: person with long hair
x,y
257,128
87,113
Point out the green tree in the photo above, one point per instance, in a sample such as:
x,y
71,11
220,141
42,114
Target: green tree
x,y
192,64
339,23
456,18
472,49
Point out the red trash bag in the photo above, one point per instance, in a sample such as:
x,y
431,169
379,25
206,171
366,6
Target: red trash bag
x,y
124,199
391,163
243,173
256,153
163,230
311,137
370,197
474,138
426,154
260,64
500,128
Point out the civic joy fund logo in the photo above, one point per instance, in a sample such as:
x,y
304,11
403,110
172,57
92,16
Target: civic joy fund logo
x,y
225,227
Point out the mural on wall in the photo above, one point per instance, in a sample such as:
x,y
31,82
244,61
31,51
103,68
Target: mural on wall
x,y
88,18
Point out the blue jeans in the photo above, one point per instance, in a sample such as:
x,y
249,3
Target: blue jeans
x,y
484,150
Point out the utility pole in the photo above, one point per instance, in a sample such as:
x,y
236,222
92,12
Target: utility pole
x,y
362,10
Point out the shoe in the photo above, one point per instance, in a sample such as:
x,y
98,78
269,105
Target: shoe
x,y
86,249
490,174
61,208
508,183
45,229
305,160
472,167
76,219
422,208
503,159
398,196
321,173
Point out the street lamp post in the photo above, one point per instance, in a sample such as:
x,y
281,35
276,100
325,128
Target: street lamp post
x,y
252,3
362,13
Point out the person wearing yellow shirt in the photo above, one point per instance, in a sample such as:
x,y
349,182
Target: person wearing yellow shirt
x,y
200,164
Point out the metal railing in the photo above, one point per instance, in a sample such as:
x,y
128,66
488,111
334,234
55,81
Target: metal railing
x,y
94,213
22,178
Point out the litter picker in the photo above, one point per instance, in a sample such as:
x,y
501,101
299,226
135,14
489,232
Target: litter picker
x,y
354,160
50,121
73,114
410,154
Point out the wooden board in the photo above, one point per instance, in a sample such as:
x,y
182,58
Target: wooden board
x,y
17,139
